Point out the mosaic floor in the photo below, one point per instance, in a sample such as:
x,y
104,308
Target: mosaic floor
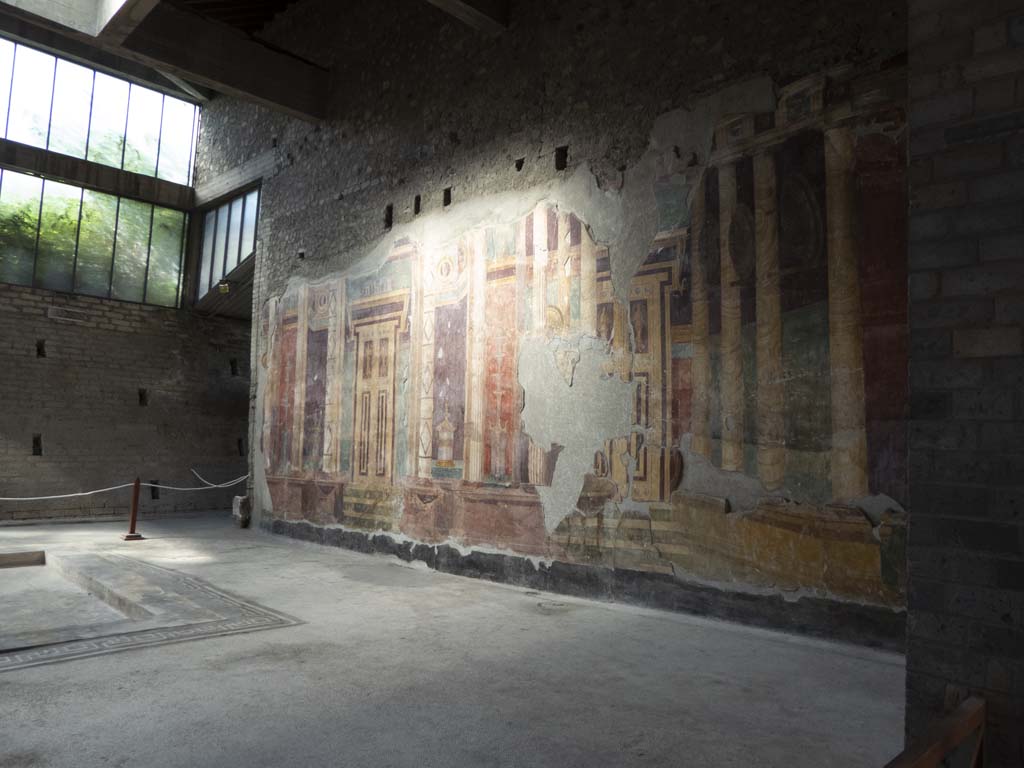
x,y
114,603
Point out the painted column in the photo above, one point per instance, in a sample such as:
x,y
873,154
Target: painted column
x,y
732,328
425,393
476,364
412,392
588,282
540,267
701,365
270,372
335,372
564,272
299,409
845,328
771,451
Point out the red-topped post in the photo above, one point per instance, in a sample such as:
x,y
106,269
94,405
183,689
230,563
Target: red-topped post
x,y
132,535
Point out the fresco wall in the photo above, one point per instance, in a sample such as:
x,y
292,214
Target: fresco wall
x,y
762,345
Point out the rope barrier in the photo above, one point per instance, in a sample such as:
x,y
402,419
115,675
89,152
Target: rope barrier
x,y
207,487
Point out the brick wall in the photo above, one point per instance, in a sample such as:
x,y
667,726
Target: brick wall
x,y
966,257
73,370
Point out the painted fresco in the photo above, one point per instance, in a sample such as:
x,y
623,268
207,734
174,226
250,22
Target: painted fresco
x,y
762,340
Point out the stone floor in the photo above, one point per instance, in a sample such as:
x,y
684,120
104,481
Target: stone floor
x,y
397,665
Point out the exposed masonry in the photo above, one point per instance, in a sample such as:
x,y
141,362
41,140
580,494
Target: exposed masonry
x,y
965,593
122,390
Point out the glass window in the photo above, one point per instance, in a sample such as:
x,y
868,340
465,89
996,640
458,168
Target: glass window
x,y
131,250
109,114
142,139
209,227
96,243
72,95
28,120
220,243
252,205
165,257
19,226
58,233
176,140
229,238
6,68
234,234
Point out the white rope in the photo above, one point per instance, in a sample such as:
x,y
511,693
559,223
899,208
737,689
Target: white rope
x,y
208,487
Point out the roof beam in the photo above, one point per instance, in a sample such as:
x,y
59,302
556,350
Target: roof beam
x,y
194,49
119,18
102,178
76,49
489,16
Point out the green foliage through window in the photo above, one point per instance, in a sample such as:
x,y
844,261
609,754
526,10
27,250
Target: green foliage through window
x,y
64,238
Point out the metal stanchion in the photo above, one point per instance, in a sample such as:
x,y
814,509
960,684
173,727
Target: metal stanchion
x,y
132,535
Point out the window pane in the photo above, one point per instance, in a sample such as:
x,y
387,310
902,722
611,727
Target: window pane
x,y
69,124
144,108
30,97
220,244
234,233
252,205
58,230
95,243
109,108
19,219
165,257
132,249
176,140
204,276
6,67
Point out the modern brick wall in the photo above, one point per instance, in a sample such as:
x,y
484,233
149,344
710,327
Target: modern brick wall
x,y
966,258
84,400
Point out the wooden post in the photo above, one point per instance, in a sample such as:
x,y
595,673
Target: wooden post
x,y
132,535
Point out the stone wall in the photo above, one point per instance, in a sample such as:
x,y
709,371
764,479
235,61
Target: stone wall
x,y
966,257
108,390
617,289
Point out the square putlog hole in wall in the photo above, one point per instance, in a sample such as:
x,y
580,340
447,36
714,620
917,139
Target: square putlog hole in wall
x,y
519,164
241,446
561,158
389,216
154,492
447,200
233,362
41,348
143,397
37,445
417,206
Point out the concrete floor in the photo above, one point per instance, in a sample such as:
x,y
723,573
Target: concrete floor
x,y
398,665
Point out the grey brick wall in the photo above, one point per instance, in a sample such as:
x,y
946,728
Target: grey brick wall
x,y
83,399
966,546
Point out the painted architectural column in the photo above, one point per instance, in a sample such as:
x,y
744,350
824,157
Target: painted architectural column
x,y
425,392
476,364
271,376
771,403
540,267
701,365
732,328
335,372
412,393
845,327
588,282
564,272
299,409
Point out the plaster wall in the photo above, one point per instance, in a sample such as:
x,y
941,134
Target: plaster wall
x,y
671,353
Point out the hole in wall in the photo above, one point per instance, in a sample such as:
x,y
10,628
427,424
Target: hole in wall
x,y
234,366
143,397
302,255
416,205
519,164
41,348
389,216
447,196
241,446
37,445
154,492
561,158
